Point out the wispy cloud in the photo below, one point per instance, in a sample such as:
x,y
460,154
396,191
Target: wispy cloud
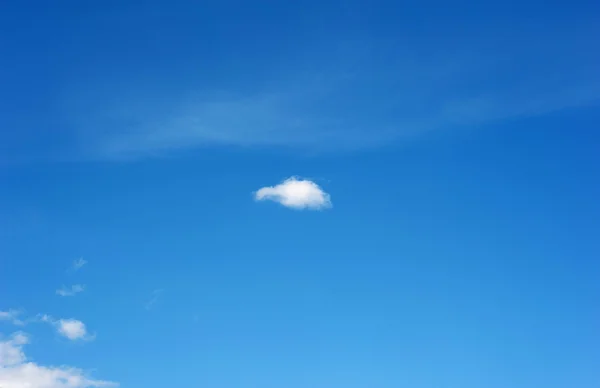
x,y
72,329
78,264
357,93
295,193
70,291
375,104
16,370
12,316
340,92
154,299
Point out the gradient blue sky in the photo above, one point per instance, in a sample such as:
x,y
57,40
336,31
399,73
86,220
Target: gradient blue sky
x,y
458,142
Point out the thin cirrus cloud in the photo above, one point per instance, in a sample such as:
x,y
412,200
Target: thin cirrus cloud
x,y
70,291
341,93
344,101
296,193
17,371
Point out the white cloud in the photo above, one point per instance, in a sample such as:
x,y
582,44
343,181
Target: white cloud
x,y
12,316
296,193
10,351
75,289
16,371
77,264
72,329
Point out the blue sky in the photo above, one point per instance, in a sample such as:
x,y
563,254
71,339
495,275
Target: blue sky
x,y
299,194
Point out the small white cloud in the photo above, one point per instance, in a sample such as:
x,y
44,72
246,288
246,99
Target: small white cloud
x,y
77,264
72,329
16,371
296,193
75,289
12,316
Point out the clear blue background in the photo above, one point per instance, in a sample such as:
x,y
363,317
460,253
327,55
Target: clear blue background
x,y
463,243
